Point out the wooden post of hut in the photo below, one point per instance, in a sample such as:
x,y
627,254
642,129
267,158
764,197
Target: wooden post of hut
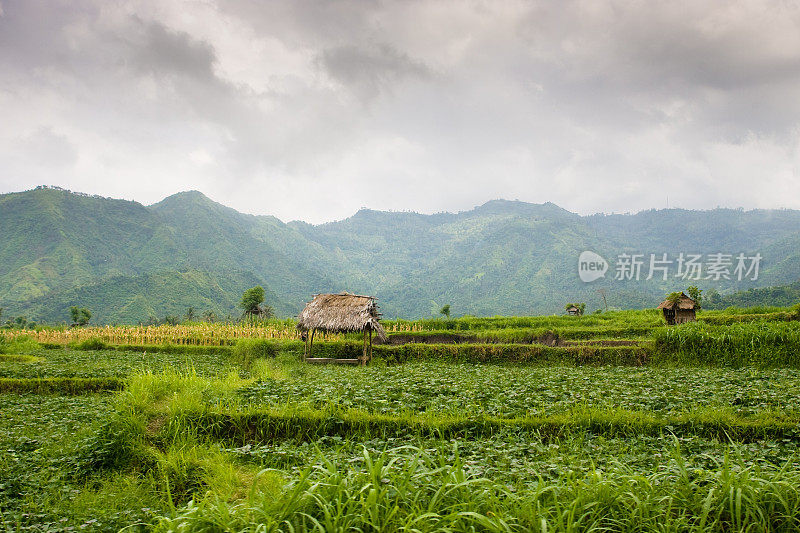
x,y
363,360
341,313
309,345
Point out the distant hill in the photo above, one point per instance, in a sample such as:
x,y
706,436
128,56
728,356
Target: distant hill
x,y
128,262
781,295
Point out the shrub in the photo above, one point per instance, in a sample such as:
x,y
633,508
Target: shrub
x,y
248,350
92,343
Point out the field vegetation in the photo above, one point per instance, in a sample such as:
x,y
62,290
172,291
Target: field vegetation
x,y
610,422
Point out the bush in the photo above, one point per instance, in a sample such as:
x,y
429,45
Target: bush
x,y
17,345
93,343
248,350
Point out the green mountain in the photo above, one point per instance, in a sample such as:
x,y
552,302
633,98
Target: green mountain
x,y
781,295
128,262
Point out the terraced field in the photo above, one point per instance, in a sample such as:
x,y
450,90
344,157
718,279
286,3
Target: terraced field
x,y
524,423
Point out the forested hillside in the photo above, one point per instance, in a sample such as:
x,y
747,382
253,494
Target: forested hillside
x,y
130,262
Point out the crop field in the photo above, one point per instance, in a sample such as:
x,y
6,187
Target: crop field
x,y
510,392
609,422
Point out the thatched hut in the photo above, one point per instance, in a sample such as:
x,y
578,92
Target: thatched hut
x,y
678,310
341,313
574,310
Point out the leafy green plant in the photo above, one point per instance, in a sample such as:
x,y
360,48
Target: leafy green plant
x,y
696,295
245,351
406,488
673,298
80,315
90,344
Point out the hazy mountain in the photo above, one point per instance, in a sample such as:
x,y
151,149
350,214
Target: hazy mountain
x,y
128,262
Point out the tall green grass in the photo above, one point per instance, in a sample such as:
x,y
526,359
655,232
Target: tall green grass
x,y
759,344
18,345
408,489
303,424
486,353
245,351
639,318
576,331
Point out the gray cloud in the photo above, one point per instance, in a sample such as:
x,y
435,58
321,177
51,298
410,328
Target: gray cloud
x,y
174,53
372,70
312,109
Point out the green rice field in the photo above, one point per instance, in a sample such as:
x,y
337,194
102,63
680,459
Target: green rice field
x,y
609,422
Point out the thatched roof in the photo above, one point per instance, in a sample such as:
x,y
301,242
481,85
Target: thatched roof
x,y
683,303
341,313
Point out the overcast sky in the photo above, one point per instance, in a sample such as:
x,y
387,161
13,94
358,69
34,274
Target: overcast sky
x,y
312,109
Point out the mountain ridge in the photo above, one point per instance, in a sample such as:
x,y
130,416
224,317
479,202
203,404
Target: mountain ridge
x,y
502,257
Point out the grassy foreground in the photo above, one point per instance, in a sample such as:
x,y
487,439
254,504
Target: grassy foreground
x,y
701,435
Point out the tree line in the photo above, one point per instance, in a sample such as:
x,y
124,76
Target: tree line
x,y
252,305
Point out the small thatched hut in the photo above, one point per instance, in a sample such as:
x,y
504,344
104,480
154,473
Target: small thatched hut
x,y
574,310
341,313
678,310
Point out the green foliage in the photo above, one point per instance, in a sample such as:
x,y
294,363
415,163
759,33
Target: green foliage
x,y
516,391
19,322
696,295
93,343
673,298
407,488
66,386
759,344
555,437
445,310
114,444
69,363
252,300
18,345
80,315
127,261
513,353
40,437
245,351
781,295
646,319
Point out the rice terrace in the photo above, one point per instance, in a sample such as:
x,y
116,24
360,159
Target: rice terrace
x,y
610,421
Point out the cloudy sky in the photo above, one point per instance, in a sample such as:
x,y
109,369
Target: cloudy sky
x,y
312,109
